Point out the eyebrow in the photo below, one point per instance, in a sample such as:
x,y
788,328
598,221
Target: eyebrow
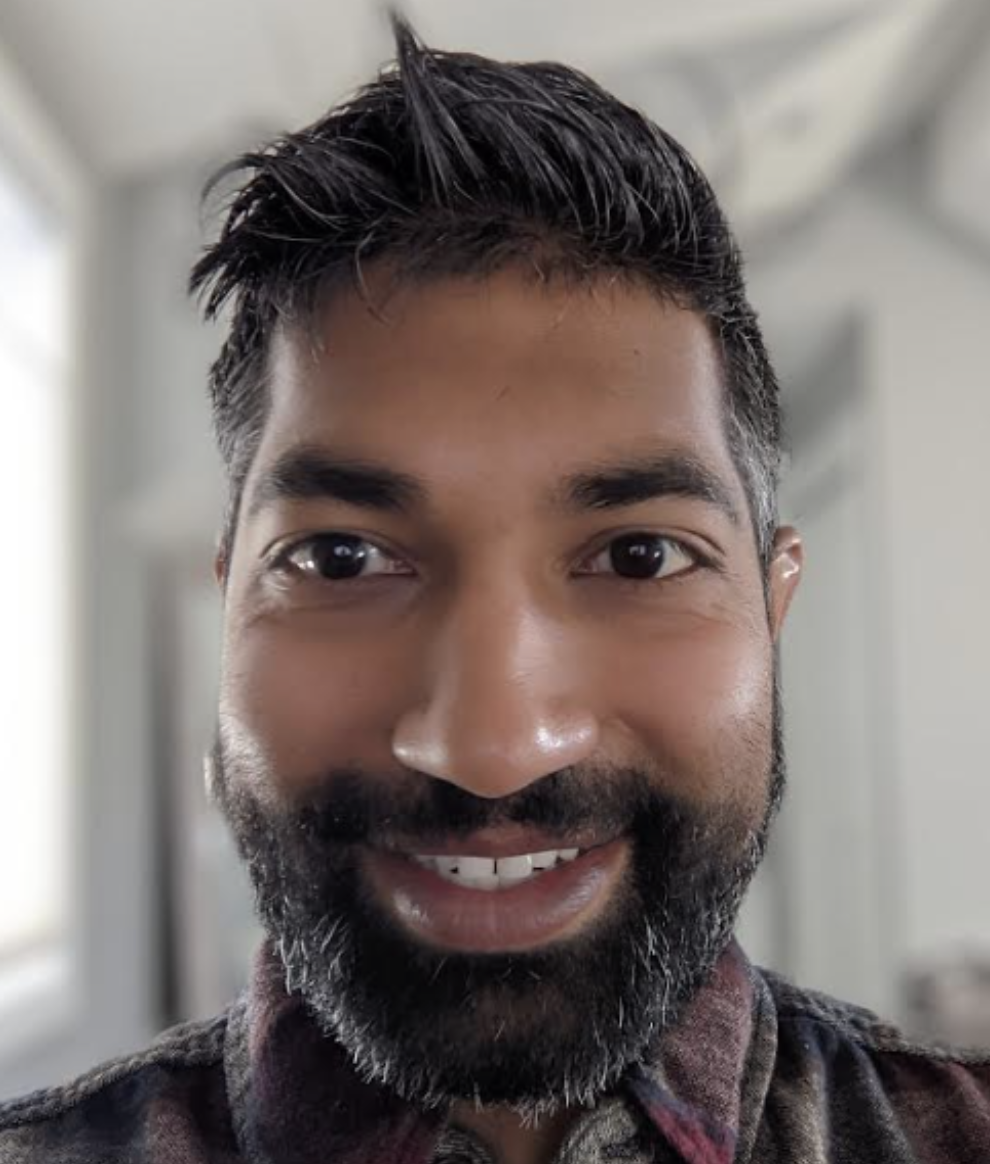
x,y
309,472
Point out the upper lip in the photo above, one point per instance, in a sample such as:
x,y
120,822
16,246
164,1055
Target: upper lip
x,y
503,841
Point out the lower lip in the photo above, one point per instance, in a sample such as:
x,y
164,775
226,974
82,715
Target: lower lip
x,y
545,908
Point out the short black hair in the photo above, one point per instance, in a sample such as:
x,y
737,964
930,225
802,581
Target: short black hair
x,y
451,163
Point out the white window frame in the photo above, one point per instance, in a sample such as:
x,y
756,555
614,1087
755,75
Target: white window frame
x,y
42,999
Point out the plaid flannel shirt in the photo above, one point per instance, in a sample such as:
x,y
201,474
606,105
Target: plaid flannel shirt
x,y
756,1071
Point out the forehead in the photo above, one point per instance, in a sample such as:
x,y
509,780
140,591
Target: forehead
x,y
501,377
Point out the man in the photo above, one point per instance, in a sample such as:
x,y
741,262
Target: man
x,y
499,736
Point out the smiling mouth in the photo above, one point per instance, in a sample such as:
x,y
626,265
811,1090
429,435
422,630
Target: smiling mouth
x,y
511,901
494,873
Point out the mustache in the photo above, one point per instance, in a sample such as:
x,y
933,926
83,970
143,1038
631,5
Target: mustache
x,y
353,808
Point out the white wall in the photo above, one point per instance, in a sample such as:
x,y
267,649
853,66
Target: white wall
x,y
924,300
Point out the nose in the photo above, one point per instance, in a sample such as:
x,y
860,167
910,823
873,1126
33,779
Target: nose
x,y
503,708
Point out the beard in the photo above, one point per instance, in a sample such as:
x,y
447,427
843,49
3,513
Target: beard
x,y
534,1031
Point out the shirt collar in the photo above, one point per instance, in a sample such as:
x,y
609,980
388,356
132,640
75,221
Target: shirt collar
x,y
296,1098
694,1087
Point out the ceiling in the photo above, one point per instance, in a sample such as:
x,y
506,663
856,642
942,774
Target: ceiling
x,y
777,98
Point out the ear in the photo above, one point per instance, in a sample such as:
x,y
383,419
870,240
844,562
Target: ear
x,y
220,565
786,563
209,778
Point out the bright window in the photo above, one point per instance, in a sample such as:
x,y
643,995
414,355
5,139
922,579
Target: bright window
x,y
35,577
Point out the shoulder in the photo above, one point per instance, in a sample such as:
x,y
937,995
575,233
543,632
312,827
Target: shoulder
x,y
866,1080
174,1088
803,1009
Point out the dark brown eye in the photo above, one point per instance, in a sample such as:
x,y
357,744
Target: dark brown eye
x,y
336,557
645,557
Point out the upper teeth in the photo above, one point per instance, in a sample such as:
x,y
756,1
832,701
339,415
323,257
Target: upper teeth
x,y
494,872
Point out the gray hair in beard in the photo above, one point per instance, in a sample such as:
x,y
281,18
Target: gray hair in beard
x,y
533,1031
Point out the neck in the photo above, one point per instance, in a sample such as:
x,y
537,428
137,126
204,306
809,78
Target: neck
x,y
509,1139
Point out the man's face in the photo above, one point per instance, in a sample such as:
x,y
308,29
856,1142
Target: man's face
x,y
495,598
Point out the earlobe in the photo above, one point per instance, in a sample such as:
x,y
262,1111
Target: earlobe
x,y
786,563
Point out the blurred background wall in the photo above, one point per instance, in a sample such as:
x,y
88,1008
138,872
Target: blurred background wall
x,y
850,141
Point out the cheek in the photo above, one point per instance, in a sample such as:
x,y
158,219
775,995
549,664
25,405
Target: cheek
x,y
307,704
701,704
694,697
